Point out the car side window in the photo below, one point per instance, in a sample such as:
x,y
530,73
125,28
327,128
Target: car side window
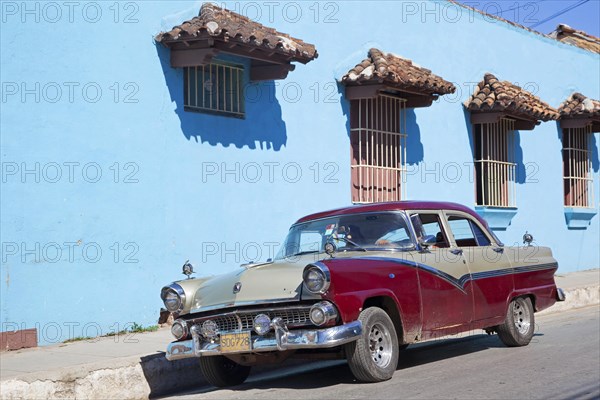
x,y
466,232
428,227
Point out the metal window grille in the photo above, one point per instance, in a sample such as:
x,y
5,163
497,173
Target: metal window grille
x,y
378,149
494,163
214,88
577,168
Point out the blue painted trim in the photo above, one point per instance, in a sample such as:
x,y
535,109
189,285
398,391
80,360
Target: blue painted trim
x,y
461,282
498,218
579,218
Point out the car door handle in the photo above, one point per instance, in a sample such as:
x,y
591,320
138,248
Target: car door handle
x,y
499,249
456,251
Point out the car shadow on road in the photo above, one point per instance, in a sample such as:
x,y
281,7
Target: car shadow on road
x,y
428,352
319,374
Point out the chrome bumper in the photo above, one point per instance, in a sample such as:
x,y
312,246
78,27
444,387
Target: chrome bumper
x,y
560,294
282,339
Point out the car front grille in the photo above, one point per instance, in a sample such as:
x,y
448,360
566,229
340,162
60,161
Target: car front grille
x,y
244,320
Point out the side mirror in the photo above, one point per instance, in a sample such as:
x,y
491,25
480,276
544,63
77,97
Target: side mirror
x,y
427,241
527,238
330,248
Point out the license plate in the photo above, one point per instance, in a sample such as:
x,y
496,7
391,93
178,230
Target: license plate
x,y
235,342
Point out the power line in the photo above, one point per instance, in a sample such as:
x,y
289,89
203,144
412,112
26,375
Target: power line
x,y
559,13
527,4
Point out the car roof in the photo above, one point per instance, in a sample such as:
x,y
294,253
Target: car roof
x,y
394,206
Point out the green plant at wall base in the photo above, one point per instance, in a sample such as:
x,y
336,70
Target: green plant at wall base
x,y
135,328
78,339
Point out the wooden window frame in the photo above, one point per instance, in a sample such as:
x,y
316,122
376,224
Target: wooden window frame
x,y
578,181
378,149
495,166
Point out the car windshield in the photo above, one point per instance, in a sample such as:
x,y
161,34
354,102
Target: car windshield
x,y
370,231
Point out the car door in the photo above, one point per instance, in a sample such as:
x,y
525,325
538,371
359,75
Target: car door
x,y
446,306
491,280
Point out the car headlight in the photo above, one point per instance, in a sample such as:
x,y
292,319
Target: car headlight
x,y
209,329
174,297
262,324
316,278
322,313
179,329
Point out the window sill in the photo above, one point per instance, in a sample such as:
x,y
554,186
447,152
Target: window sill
x,y
498,218
214,112
579,217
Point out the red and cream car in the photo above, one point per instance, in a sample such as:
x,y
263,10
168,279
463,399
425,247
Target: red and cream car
x,y
362,282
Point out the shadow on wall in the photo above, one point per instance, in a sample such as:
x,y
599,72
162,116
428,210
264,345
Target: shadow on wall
x,y
345,104
520,168
595,156
414,148
263,128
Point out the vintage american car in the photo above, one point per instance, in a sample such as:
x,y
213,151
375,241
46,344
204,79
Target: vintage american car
x,y
362,282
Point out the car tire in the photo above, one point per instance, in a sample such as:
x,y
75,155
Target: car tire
x,y
220,371
374,356
519,324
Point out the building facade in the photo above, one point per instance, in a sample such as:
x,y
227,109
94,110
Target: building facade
x,y
133,140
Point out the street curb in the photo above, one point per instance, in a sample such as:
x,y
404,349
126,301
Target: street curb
x,y
130,378
153,375
576,298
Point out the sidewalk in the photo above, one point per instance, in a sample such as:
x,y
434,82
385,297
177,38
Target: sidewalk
x,y
582,289
134,366
129,366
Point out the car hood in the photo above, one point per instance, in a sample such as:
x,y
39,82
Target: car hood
x,y
279,281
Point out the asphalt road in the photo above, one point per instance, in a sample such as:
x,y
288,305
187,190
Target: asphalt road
x,y
562,362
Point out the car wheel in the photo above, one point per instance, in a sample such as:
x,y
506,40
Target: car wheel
x,y
374,356
517,329
220,371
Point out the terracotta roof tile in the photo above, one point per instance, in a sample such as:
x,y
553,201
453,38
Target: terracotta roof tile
x,y
227,25
493,95
577,105
566,34
397,72
496,17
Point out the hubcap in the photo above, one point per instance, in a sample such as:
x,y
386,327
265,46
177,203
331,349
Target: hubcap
x,y
380,344
521,316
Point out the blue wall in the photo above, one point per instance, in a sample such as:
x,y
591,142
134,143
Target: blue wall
x,y
171,199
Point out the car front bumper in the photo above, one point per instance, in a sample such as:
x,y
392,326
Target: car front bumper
x,y
281,339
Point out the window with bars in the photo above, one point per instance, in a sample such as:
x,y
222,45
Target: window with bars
x,y
495,165
378,149
215,88
577,168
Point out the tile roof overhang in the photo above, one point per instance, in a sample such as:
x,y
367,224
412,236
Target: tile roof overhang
x,y
578,111
385,72
566,34
218,30
563,33
493,99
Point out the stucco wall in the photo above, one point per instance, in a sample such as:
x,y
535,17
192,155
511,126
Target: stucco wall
x,y
163,196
